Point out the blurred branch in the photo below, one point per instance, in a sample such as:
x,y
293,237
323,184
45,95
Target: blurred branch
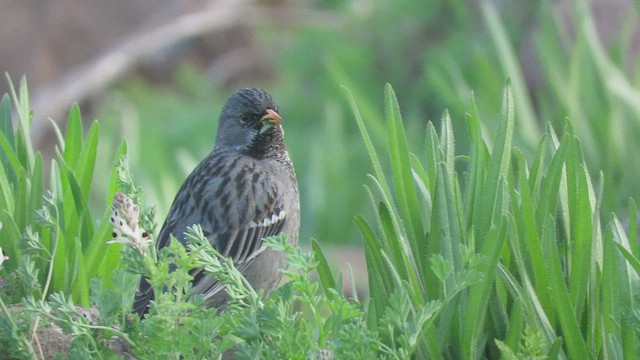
x,y
90,79
233,62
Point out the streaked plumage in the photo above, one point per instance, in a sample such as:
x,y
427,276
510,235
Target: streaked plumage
x,y
242,192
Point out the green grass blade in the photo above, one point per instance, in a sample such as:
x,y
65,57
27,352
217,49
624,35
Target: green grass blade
x,y
536,173
530,241
73,137
432,154
528,124
617,83
60,265
550,185
23,146
380,283
98,254
377,167
36,187
581,248
633,261
422,182
21,215
6,122
324,271
6,192
633,228
8,154
10,235
479,155
478,302
392,242
498,166
86,229
446,225
402,174
516,326
87,160
576,345
80,282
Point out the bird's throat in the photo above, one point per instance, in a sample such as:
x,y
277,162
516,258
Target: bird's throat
x,y
268,144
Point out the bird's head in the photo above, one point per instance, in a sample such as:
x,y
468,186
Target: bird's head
x,y
249,121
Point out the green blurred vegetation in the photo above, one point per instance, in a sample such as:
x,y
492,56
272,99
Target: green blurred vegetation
x,y
434,53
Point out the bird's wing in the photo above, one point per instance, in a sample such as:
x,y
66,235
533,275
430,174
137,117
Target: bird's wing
x,y
242,245
236,204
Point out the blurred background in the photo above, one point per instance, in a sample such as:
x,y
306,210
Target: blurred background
x,y
156,72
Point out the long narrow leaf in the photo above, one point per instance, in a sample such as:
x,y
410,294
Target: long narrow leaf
x,y
498,165
6,122
73,138
476,312
566,313
324,271
87,160
402,174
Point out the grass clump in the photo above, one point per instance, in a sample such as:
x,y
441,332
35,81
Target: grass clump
x,y
507,245
49,232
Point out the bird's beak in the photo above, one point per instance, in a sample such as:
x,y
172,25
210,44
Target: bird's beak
x,y
270,120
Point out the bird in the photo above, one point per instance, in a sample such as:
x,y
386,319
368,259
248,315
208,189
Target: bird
x,y
244,191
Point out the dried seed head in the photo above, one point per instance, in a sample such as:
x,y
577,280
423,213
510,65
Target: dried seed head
x,y
124,218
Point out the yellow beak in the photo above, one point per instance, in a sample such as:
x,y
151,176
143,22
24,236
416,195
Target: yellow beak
x,y
270,120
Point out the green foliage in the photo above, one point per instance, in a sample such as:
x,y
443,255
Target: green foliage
x,y
52,237
512,247
560,70
504,258
434,53
250,326
533,346
272,328
169,130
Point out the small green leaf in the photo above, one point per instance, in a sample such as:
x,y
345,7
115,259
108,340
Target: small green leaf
x,y
73,137
323,269
87,160
79,199
6,122
10,157
632,260
36,188
6,192
10,235
23,147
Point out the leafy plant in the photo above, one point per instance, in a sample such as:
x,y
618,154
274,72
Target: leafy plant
x,y
250,326
507,258
52,235
512,247
569,73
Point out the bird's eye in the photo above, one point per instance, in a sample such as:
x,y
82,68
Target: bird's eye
x,y
244,118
